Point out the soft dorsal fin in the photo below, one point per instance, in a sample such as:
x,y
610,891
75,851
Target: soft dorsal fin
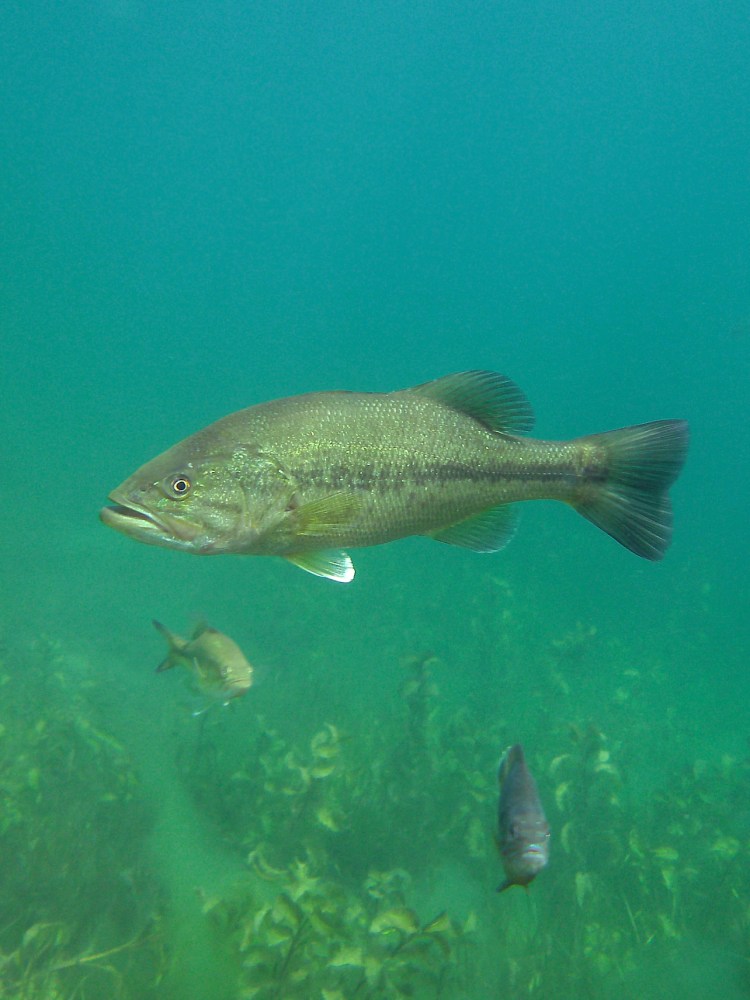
x,y
492,399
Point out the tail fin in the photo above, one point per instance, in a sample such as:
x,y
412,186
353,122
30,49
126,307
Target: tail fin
x,y
175,645
631,504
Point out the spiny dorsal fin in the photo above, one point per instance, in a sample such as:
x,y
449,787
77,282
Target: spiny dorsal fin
x,y
492,399
201,627
513,755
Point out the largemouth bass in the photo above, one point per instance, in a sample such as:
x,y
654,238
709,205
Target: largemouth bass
x,y
523,830
310,476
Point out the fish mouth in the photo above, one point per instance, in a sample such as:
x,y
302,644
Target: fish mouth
x,y
536,855
121,517
130,518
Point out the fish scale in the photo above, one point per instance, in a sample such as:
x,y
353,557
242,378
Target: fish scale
x,y
414,465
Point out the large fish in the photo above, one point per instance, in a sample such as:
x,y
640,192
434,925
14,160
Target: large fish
x,y
523,831
310,476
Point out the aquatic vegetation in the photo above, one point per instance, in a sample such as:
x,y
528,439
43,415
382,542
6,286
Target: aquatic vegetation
x,y
76,899
44,966
347,834
371,799
315,937
342,827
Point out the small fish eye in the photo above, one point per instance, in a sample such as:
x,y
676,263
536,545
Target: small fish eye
x,y
178,486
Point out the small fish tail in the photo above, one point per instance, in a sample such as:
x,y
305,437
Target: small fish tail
x,y
175,645
631,503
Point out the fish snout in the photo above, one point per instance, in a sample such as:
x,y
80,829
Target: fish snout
x,y
535,856
133,515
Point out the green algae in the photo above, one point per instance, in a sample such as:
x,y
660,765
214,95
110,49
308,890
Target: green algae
x,y
340,862
78,909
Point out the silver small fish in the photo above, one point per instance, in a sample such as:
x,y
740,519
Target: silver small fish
x,y
216,662
523,830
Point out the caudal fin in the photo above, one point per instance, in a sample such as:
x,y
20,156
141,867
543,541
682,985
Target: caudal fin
x,y
175,645
632,504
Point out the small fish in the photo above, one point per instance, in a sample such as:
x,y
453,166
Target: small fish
x,y
523,830
215,661
308,477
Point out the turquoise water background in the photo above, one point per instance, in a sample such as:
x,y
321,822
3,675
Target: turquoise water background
x,y
206,206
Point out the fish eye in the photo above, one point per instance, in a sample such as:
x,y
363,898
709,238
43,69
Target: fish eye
x,y
177,486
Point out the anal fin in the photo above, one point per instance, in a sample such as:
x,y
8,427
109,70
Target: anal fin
x,y
489,531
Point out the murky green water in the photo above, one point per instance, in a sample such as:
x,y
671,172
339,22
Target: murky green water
x,y
209,206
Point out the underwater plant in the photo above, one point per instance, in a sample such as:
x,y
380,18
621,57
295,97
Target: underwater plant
x,y
368,799
347,834
343,828
43,967
77,902
302,935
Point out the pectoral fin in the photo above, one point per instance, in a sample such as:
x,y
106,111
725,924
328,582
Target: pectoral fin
x,y
330,563
319,516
